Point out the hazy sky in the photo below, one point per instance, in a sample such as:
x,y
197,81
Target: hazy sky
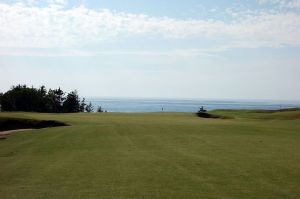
x,y
149,48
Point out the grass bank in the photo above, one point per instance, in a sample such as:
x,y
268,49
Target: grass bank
x,y
154,155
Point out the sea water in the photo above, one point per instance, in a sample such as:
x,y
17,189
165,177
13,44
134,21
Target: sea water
x,y
183,105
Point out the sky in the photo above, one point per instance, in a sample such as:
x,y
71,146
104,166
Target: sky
x,y
225,49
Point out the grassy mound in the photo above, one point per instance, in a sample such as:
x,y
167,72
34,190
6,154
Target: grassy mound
x,y
281,114
18,123
277,111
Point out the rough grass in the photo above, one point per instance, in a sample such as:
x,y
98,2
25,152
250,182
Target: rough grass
x,y
153,155
281,114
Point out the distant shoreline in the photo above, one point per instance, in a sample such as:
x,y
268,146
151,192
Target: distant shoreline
x,y
184,105
194,99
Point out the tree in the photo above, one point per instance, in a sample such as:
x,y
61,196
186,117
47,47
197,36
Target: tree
x,y
24,98
7,102
1,95
89,108
43,101
72,103
55,100
20,98
82,105
99,109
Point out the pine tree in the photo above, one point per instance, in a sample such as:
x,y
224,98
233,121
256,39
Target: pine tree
x,y
72,103
82,105
89,108
99,109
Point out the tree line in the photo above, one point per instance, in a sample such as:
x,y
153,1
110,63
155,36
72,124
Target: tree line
x,y
30,99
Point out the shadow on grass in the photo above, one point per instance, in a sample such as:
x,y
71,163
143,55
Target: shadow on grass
x,y
212,116
7,124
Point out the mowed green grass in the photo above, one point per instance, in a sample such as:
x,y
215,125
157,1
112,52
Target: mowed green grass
x,y
154,155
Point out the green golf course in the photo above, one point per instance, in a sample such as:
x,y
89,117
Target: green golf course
x,y
250,154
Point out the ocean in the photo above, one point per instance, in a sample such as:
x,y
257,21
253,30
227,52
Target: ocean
x,y
183,105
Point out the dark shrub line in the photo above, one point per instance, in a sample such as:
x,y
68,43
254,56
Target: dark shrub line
x,y
30,99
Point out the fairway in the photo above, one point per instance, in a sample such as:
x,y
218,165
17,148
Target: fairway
x,y
154,155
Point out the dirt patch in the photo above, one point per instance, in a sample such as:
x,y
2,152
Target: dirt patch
x,y
3,133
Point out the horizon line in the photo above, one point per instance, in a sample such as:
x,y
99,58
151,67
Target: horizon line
x,y
192,98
